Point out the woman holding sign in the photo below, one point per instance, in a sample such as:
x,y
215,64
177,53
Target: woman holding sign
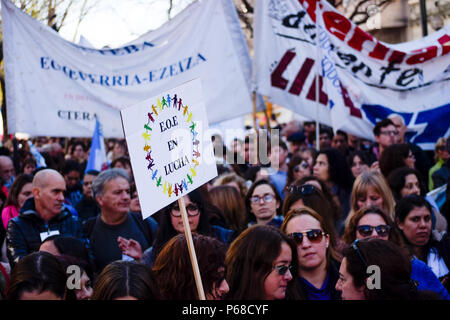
x,y
171,225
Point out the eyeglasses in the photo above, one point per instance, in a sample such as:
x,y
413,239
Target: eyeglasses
x,y
313,235
192,210
441,148
267,198
366,230
305,189
283,269
304,165
355,246
390,133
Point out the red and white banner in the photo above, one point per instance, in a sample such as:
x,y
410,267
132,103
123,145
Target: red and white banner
x,y
361,80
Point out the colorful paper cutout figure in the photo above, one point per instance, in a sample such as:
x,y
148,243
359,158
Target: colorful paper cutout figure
x,y
175,100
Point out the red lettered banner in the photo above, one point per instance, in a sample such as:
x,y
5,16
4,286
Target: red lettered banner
x,y
361,79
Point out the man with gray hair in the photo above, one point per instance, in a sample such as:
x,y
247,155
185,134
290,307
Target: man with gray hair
x,y
41,216
111,190
423,161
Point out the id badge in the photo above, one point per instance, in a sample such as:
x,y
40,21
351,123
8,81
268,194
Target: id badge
x,y
45,235
126,258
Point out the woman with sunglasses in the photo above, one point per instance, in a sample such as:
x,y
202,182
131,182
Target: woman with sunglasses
x,y
263,203
404,181
310,196
372,222
171,224
389,280
413,218
260,264
317,259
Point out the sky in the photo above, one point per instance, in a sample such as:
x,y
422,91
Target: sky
x,y
115,22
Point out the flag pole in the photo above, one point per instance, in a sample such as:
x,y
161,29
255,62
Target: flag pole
x,y
193,256
254,126
317,79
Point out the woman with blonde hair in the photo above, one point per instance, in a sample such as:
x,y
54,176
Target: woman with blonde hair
x,y
318,261
370,188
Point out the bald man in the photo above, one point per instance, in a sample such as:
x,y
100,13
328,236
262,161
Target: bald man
x,y
41,216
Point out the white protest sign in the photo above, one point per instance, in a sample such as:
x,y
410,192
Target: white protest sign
x,y
170,148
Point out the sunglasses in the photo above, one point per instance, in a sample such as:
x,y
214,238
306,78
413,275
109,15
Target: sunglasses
x,y
283,269
366,231
304,190
192,210
314,236
304,165
355,246
441,148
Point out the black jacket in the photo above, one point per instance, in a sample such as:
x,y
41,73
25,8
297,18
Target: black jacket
x,y
23,232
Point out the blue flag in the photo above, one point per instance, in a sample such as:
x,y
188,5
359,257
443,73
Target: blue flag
x,y
97,154
40,161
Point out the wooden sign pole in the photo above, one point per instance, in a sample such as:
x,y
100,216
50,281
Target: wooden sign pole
x,y
193,256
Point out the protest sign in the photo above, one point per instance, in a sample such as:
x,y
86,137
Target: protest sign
x,y
171,152
56,88
361,79
169,144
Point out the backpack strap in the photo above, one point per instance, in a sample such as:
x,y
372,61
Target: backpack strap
x,y
144,226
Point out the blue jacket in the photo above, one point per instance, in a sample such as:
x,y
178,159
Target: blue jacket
x,y
427,279
23,233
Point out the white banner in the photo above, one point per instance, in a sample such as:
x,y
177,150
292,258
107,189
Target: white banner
x,y
55,87
170,145
362,80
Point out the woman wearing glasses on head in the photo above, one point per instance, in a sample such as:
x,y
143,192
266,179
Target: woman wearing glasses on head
x,y
261,263
372,222
263,204
297,169
318,261
389,277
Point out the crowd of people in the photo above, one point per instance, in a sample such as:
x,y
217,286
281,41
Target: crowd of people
x,y
347,220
